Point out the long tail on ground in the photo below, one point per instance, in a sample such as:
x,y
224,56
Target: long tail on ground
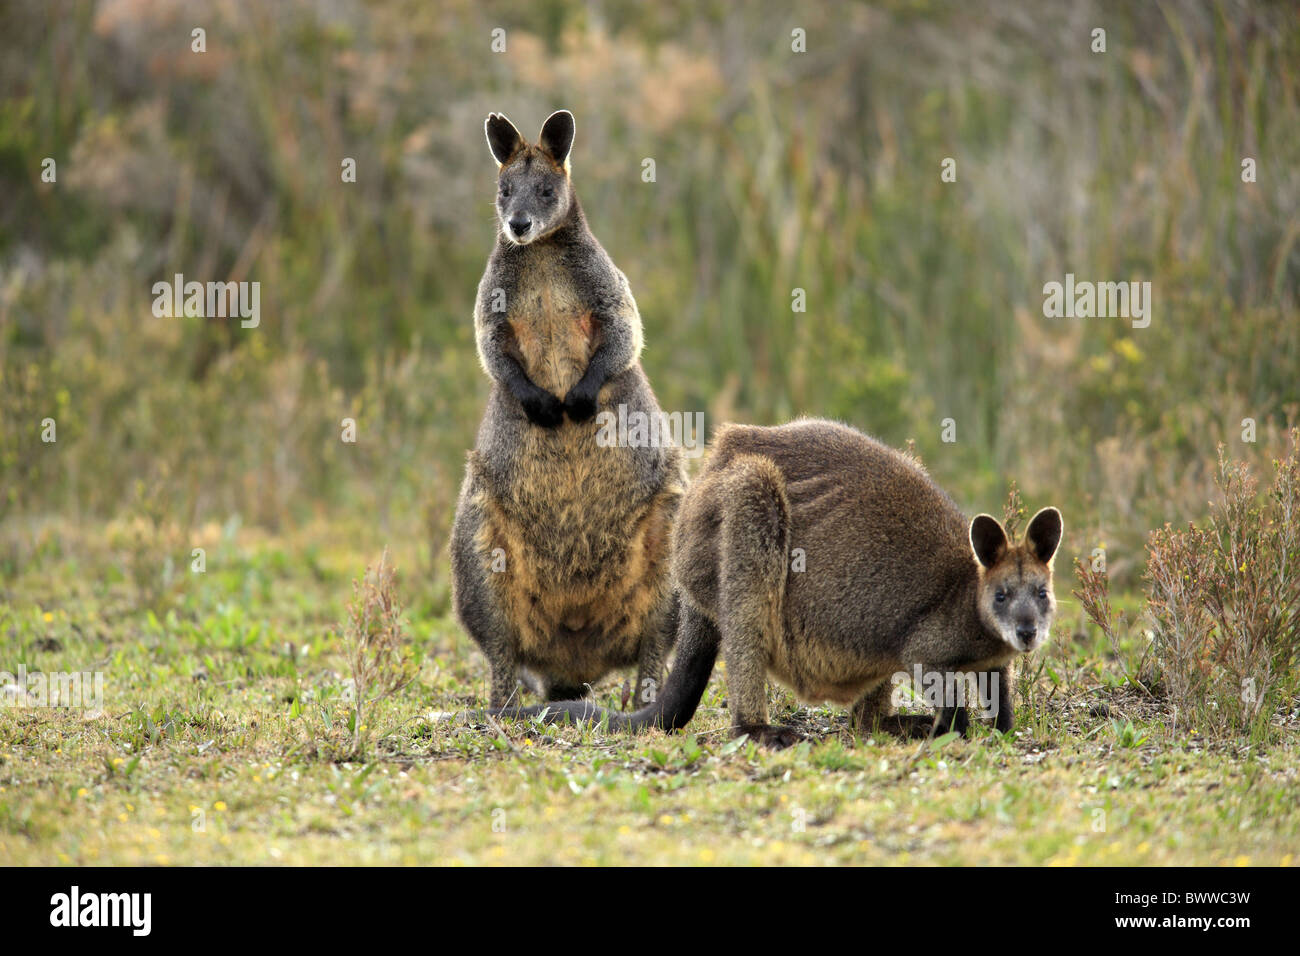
x,y
673,707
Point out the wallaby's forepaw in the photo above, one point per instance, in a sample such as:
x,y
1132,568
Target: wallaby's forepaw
x,y
544,409
580,404
564,692
908,726
775,736
954,720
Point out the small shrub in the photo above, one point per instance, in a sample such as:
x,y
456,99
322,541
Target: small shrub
x,y
151,537
374,637
1223,602
1093,593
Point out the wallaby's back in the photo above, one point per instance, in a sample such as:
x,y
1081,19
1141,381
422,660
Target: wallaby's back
x,y
880,541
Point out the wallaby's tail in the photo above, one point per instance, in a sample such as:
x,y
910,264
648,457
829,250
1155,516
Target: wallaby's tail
x,y
673,707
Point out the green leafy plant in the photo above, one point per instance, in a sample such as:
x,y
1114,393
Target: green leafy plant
x,y
1224,601
1126,735
1223,605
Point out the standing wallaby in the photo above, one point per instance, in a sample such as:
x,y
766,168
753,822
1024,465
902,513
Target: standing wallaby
x,y
560,547
816,555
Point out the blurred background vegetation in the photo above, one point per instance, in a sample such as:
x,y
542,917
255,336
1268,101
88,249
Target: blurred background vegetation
x,y
775,170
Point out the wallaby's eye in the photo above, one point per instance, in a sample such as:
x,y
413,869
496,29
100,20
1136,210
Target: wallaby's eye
x,y
505,191
1042,594
547,192
1000,596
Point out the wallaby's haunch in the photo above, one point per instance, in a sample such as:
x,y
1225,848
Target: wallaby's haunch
x,y
892,580
560,547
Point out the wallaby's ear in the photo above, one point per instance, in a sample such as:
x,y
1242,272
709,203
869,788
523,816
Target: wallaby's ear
x,y
987,540
1044,534
557,136
503,139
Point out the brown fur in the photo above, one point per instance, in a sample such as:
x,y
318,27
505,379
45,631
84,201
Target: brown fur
x,y
586,567
554,337
894,579
890,579
584,530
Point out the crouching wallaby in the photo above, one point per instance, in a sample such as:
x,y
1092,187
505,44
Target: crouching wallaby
x,y
817,556
560,547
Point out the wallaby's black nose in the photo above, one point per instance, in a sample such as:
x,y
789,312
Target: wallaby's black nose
x,y
1026,633
520,226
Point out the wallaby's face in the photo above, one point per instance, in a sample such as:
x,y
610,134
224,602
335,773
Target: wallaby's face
x,y
1015,598
534,194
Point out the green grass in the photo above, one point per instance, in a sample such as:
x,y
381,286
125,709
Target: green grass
x,y
201,755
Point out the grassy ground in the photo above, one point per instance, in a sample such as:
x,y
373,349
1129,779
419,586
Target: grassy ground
x,y
200,754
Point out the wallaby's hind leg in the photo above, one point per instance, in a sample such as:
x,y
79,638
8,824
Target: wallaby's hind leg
x,y
751,589
477,606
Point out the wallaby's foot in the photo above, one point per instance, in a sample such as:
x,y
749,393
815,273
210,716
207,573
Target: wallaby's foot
x,y
775,736
580,403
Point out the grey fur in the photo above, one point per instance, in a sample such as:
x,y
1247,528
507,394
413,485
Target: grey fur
x,y
583,530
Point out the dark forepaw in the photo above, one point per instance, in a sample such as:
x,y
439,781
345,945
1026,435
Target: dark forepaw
x,y
580,403
775,736
566,692
951,720
908,726
544,409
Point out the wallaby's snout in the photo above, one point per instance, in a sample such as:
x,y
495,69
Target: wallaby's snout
x,y
520,225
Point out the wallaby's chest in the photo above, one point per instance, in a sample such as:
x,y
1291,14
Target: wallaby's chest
x,y
552,331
